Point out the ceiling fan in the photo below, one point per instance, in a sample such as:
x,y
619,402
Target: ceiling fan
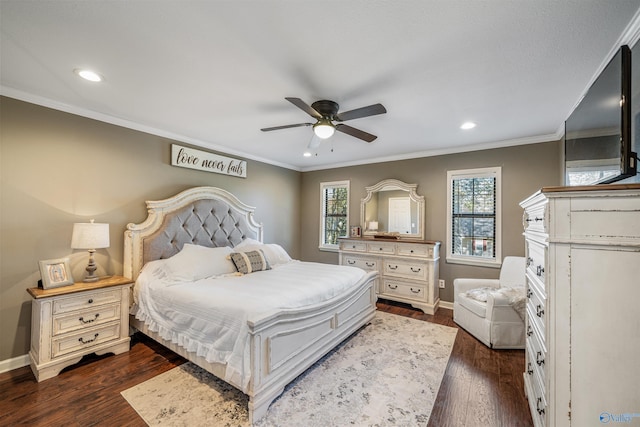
x,y
326,112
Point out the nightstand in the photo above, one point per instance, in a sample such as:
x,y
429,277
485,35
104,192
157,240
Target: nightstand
x,y
72,321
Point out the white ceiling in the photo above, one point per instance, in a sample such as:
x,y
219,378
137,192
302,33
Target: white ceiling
x,y
212,73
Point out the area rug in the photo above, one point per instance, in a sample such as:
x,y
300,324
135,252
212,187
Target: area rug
x,y
387,374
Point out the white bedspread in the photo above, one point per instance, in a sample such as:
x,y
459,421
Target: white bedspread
x,y
209,316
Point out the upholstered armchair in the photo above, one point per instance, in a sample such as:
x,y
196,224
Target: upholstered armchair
x,y
492,310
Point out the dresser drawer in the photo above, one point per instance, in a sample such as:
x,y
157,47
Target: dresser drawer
x,y
536,259
534,218
536,309
406,290
423,251
368,264
535,392
85,319
81,341
86,300
405,269
382,248
353,246
536,354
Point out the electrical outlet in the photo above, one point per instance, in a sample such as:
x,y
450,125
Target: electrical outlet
x,y
441,283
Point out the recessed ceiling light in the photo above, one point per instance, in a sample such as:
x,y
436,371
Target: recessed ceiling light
x,y
92,76
467,125
307,154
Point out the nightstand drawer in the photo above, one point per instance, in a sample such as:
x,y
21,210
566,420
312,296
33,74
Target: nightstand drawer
x,y
83,340
86,300
85,319
407,270
407,290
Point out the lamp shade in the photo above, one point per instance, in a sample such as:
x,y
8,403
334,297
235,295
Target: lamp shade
x,y
90,235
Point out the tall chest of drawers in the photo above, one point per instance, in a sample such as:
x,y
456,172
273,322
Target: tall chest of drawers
x,y
583,321
72,321
408,270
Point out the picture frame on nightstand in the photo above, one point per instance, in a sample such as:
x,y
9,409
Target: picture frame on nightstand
x,y
355,231
55,273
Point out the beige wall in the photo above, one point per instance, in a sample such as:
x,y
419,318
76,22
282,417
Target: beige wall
x,y
525,169
58,168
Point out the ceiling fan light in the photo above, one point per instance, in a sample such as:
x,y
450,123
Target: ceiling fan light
x,y
324,129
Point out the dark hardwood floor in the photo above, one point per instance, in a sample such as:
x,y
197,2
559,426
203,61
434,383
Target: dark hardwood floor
x,y
481,387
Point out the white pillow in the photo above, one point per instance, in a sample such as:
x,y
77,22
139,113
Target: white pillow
x,y
247,242
274,253
196,262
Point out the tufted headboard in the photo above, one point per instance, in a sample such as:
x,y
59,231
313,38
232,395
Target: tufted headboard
x,y
206,216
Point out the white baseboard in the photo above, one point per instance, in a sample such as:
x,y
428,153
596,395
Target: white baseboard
x,y
446,304
15,363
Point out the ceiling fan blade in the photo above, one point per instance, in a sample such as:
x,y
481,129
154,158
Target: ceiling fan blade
x,y
285,127
304,107
355,132
371,110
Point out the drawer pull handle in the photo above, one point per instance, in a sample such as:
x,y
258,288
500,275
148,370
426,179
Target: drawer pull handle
x,y
393,287
529,261
393,268
529,293
90,301
415,291
539,358
380,249
539,270
538,408
353,247
411,251
416,271
95,337
536,219
370,264
90,320
350,262
529,370
529,331
539,310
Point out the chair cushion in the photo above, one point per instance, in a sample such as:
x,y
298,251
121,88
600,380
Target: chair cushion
x,y
477,307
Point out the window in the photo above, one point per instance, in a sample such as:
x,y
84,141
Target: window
x,y
334,214
473,216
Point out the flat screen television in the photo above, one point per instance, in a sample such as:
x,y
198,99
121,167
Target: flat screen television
x,y
598,146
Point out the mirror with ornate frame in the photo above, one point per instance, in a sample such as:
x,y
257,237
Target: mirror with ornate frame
x,y
393,207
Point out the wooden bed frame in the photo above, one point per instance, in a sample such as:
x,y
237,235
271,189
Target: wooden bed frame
x,y
282,345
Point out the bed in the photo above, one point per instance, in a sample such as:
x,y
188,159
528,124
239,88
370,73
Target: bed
x,y
304,310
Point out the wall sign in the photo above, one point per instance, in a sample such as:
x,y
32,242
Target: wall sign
x,y
209,162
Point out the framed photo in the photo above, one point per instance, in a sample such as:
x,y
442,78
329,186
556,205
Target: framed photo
x,y
355,231
55,273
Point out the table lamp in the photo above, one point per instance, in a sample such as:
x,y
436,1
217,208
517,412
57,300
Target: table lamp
x,y
90,236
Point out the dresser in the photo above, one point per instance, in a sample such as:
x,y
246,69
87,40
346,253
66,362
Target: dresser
x,y
72,321
583,310
408,271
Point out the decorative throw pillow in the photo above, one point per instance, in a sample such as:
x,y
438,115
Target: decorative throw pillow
x,y
251,261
